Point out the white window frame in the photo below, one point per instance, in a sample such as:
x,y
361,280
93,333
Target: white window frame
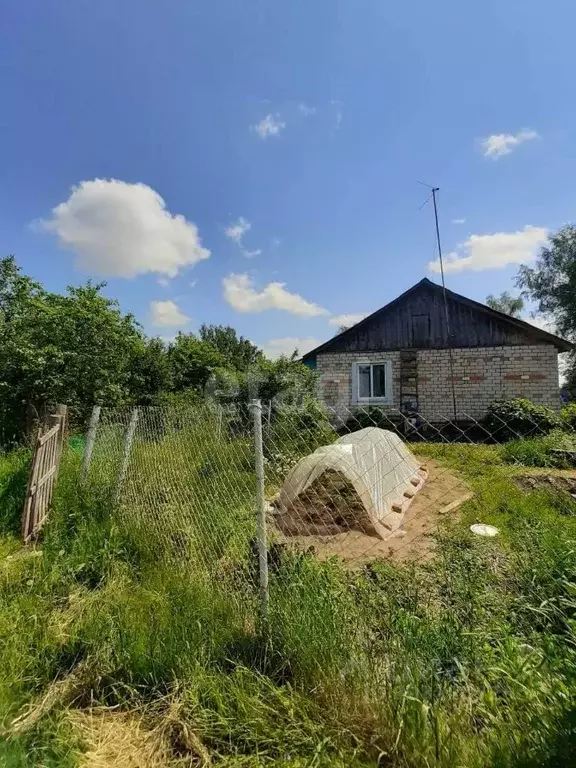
x,y
387,383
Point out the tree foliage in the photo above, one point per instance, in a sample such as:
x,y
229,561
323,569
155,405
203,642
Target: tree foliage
x,y
506,303
76,348
192,362
235,351
79,348
570,385
151,373
551,282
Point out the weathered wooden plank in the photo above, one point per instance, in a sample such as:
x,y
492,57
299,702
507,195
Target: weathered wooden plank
x,y
37,501
27,511
51,432
418,322
43,473
43,480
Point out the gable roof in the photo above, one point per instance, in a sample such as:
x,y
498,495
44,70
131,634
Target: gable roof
x,y
537,334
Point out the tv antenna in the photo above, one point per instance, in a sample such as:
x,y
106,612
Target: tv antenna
x,y
446,312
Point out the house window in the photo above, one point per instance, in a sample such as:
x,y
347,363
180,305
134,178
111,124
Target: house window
x,y
372,382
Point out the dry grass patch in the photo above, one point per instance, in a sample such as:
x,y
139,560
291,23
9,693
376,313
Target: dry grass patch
x,y
137,740
119,739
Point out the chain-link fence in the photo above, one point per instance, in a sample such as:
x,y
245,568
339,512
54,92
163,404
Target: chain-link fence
x,y
233,495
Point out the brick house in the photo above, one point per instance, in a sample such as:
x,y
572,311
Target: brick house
x,y
401,358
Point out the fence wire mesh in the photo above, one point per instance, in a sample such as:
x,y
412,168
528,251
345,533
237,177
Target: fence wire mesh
x,y
358,486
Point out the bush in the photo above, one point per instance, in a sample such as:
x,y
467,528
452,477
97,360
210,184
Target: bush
x,y
297,430
371,416
518,417
568,416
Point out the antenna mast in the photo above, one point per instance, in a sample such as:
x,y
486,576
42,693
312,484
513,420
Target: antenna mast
x,y
446,313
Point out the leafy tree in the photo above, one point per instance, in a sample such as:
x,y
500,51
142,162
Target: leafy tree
x,y
151,374
80,349
236,352
16,290
285,381
192,362
510,305
97,345
551,282
76,348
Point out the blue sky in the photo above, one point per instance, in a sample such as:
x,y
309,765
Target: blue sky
x,y
294,129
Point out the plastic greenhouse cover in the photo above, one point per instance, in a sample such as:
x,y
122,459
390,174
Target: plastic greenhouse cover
x,y
382,469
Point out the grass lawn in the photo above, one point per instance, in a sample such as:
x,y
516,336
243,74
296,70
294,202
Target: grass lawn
x,y
138,638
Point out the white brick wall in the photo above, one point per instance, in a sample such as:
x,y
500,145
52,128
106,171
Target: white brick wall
x,y
336,377
481,375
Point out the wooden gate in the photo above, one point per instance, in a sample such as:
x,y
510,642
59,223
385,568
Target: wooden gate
x,y
43,474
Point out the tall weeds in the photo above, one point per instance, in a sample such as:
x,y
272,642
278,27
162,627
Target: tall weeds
x,y
152,605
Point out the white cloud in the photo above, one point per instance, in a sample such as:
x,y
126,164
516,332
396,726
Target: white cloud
x,y
118,229
271,125
163,282
240,293
193,283
305,110
236,232
500,144
167,313
348,320
287,345
238,229
458,221
494,251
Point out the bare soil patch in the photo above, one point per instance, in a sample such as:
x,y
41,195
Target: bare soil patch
x,y
563,480
338,519
327,507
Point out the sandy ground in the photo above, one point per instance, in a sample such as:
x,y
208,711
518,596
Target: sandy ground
x,y
442,494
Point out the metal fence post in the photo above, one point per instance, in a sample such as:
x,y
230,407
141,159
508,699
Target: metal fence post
x,y
128,440
260,507
90,439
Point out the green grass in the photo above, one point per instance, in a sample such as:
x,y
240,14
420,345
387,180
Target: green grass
x,y
13,479
541,451
467,660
